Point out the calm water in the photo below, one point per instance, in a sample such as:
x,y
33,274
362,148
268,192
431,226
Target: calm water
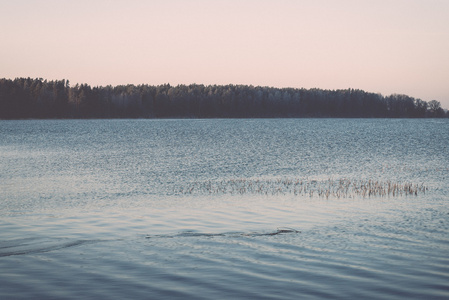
x,y
206,209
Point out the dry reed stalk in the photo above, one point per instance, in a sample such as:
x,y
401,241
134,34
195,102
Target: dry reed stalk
x,y
342,188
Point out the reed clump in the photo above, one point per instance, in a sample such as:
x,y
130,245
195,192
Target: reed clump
x,y
341,188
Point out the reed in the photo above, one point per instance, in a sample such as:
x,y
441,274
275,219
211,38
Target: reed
x,y
341,188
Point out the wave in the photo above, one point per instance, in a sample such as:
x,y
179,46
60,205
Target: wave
x,y
38,245
280,230
31,245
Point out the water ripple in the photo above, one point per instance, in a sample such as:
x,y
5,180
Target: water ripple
x,y
282,230
39,245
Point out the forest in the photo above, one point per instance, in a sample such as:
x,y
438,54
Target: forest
x,y
27,98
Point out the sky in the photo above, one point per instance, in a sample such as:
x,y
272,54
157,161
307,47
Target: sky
x,y
380,46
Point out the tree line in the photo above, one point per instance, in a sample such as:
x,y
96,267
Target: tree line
x,y
38,98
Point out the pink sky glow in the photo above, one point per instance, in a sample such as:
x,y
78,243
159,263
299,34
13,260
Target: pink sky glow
x,y
381,46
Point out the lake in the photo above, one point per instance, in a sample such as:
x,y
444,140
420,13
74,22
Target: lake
x,y
231,209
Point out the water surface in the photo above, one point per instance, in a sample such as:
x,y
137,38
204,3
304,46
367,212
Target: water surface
x,y
130,209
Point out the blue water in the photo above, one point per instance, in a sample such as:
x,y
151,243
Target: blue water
x,y
201,209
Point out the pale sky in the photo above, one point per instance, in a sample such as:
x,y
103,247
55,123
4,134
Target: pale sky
x,y
381,46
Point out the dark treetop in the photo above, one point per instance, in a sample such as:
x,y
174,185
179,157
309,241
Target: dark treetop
x,y
37,98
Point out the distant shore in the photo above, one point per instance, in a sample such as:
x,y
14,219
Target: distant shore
x,y
27,98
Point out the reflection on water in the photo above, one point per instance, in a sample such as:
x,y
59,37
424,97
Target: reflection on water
x,y
207,209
